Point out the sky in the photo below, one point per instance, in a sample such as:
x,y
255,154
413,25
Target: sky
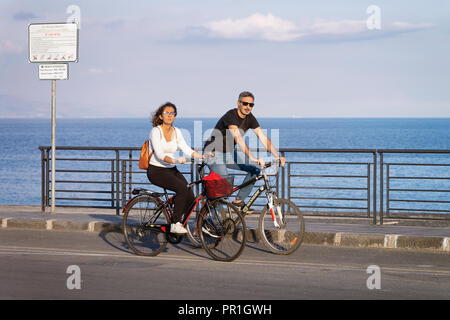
x,y
347,58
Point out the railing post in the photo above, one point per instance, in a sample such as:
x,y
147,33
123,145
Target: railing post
x,y
124,184
130,173
42,181
117,183
112,183
387,190
381,187
375,187
283,177
288,182
47,174
368,190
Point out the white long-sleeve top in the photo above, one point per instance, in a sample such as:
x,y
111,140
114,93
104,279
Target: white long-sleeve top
x,y
163,148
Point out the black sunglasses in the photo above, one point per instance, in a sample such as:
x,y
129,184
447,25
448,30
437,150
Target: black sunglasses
x,y
247,103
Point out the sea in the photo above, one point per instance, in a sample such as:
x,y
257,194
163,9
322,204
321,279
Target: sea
x,y
20,157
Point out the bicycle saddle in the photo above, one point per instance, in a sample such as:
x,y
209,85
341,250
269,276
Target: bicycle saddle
x,y
137,191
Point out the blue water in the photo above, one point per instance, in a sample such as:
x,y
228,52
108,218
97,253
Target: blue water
x,y
20,171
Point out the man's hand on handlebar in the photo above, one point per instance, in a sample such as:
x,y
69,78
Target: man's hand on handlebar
x,y
278,161
282,161
260,162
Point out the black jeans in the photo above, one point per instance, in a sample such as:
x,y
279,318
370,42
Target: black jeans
x,y
171,179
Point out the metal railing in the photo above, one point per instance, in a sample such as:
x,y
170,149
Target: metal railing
x,y
415,182
341,182
345,186
105,173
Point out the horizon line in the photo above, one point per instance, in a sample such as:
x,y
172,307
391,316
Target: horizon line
x,y
193,117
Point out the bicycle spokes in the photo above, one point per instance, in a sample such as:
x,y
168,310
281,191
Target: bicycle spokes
x,y
222,231
142,222
283,228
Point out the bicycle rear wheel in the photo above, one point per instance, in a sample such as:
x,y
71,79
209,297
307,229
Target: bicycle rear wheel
x,y
222,230
288,237
139,214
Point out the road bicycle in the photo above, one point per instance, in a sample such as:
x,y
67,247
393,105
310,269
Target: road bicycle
x,y
281,226
148,215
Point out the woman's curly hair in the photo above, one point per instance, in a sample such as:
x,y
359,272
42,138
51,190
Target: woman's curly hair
x,y
156,120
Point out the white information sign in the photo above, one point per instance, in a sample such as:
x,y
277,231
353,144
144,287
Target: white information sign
x,y
54,71
53,42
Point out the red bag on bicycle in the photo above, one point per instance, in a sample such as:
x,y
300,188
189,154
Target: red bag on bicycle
x,y
216,186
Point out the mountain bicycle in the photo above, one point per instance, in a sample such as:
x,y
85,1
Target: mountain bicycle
x,y
148,215
281,226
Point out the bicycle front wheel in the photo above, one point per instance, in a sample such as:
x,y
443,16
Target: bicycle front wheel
x,y
283,230
192,232
222,230
139,215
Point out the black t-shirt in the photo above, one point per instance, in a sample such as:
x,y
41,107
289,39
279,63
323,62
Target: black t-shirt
x,y
221,139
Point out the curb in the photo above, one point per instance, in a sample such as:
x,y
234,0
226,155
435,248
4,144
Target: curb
x,y
388,241
344,239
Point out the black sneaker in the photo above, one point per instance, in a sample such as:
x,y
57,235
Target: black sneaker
x,y
240,205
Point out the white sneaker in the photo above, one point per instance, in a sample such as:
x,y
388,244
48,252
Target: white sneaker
x,y
209,229
177,228
209,232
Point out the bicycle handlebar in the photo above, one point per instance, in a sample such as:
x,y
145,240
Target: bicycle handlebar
x,y
271,163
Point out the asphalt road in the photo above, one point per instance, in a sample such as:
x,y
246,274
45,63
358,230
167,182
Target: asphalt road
x,y
36,264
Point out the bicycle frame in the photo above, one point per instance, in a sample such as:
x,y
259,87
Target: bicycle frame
x,y
167,206
193,206
257,193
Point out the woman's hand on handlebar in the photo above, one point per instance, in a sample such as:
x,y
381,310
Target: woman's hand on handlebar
x,y
181,160
195,156
208,155
201,156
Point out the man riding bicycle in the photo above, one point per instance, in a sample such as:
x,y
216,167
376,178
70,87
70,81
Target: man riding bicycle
x,y
228,132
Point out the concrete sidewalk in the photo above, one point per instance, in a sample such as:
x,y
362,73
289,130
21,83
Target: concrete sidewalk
x,y
355,232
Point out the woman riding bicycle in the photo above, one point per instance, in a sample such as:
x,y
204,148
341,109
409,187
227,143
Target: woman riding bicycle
x,y
165,140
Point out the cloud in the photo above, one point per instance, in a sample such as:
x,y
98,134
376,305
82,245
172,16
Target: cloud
x,y
406,26
256,26
24,16
271,28
337,27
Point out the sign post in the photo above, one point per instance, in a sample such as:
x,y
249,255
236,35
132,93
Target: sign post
x,y
53,45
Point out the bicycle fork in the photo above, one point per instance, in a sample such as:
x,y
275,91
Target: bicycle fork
x,y
274,211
